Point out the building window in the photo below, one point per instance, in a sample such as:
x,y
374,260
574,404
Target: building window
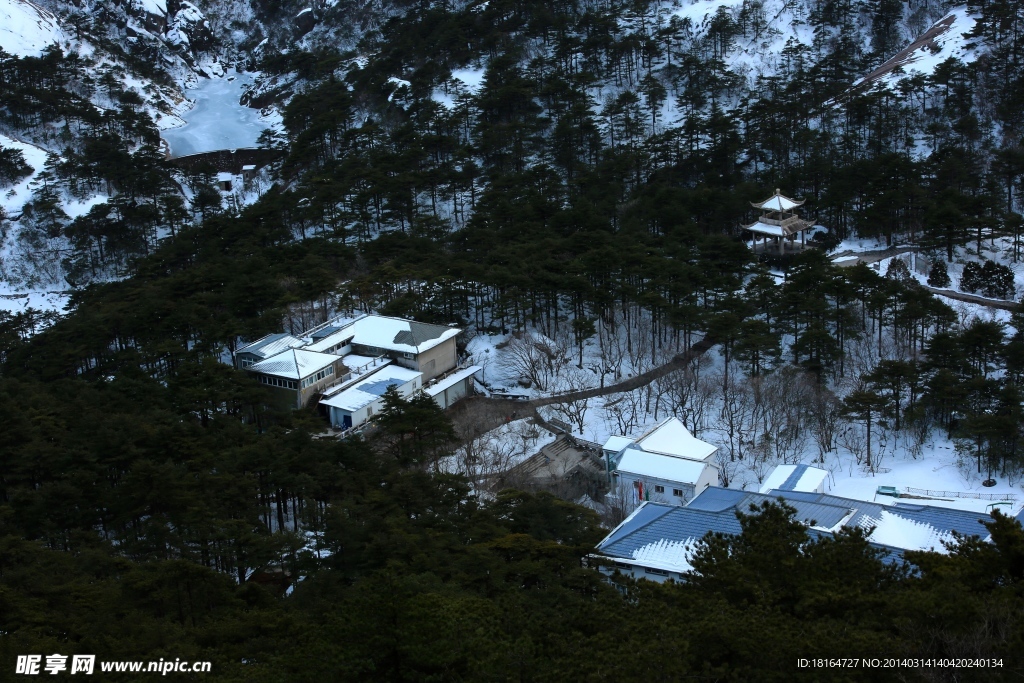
x,y
658,572
678,493
408,355
369,411
313,379
246,362
659,489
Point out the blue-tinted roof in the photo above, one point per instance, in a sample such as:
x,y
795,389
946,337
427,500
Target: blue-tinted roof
x,y
380,387
644,515
715,509
675,523
793,478
944,519
716,498
260,343
323,332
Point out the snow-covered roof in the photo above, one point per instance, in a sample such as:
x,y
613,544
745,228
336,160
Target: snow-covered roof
x,y
369,389
359,364
794,478
667,467
451,380
661,535
667,555
671,437
393,334
271,345
908,534
616,443
330,340
357,370
294,363
766,229
224,177
778,202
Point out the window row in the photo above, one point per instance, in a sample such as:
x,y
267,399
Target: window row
x,y
313,379
278,382
678,493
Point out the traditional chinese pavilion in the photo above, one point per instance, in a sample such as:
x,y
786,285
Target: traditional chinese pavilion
x,y
778,220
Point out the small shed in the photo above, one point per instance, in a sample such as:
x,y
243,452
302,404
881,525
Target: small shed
x,y
358,403
795,478
450,389
224,181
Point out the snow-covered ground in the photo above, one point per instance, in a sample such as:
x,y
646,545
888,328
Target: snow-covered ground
x,y
945,39
18,302
219,120
27,29
464,81
935,469
12,199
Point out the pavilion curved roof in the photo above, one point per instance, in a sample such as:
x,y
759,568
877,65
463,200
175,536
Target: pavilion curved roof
x,y
778,202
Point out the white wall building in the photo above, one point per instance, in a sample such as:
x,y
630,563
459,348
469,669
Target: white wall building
x,y
802,478
666,464
357,403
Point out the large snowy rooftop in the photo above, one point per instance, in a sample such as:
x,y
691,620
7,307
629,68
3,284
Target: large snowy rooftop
x,y
271,345
663,536
670,437
367,390
393,334
294,363
667,467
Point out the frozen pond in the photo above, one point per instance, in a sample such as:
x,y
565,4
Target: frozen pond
x,y
218,120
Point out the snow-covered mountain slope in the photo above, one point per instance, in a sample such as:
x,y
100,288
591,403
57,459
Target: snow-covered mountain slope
x,y
945,39
14,198
27,29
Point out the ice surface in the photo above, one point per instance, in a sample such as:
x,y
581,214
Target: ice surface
x,y
218,120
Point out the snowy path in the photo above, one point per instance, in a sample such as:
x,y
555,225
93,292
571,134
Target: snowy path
x,y
476,415
852,258
973,298
678,362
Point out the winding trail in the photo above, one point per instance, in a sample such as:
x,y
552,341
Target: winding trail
x,y
973,299
852,258
678,362
476,415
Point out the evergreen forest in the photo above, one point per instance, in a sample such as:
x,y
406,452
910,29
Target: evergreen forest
x,y
570,169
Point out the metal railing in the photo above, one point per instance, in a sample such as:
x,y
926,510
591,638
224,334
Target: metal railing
x,y
961,494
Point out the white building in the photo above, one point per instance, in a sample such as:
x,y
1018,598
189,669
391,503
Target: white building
x,y
802,478
346,351
666,464
353,405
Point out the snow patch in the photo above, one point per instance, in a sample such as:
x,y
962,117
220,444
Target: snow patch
x,y
900,532
27,29
666,554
